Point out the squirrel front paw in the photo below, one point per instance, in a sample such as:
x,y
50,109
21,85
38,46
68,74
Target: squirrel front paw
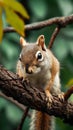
x,y
61,96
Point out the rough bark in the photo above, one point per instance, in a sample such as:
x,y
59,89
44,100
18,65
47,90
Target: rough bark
x,y
32,97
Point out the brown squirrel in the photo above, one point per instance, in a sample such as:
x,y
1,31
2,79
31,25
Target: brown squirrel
x,y
38,65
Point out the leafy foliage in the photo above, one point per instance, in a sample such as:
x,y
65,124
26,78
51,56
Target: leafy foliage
x,y
11,9
1,25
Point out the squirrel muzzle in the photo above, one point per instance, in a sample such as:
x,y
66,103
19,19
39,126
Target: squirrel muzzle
x,y
32,69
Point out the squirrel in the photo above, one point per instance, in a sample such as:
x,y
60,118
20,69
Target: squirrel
x,y
40,67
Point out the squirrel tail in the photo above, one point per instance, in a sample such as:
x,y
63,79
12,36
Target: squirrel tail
x,y
41,121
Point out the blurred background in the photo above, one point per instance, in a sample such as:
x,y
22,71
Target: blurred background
x,y
38,10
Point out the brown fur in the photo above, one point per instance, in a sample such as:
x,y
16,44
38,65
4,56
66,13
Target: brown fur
x,y
43,121
54,70
44,77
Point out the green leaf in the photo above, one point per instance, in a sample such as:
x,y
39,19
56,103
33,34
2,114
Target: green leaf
x,y
1,25
14,20
16,6
70,83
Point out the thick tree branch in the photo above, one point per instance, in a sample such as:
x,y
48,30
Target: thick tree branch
x,y
61,21
30,96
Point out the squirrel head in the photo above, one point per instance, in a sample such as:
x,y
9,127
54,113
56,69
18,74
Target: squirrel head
x,y
34,57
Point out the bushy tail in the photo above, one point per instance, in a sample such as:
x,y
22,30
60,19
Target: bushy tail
x,y
40,121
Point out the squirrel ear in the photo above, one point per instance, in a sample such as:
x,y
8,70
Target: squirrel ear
x,y
22,42
41,42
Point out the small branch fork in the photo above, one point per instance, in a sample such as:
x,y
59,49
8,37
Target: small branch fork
x,y
61,22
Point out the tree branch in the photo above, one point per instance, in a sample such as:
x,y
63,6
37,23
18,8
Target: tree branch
x,y
68,93
54,35
30,96
23,118
61,21
22,107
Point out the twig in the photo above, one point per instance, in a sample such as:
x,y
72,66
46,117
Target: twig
x,y
23,118
61,21
68,93
54,35
22,107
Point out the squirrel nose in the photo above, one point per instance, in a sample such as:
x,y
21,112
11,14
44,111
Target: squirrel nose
x,y
27,69
27,66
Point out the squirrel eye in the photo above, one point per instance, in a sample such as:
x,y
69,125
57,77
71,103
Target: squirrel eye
x,y
20,58
39,56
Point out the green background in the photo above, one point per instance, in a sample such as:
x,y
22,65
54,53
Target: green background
x,y
38,10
